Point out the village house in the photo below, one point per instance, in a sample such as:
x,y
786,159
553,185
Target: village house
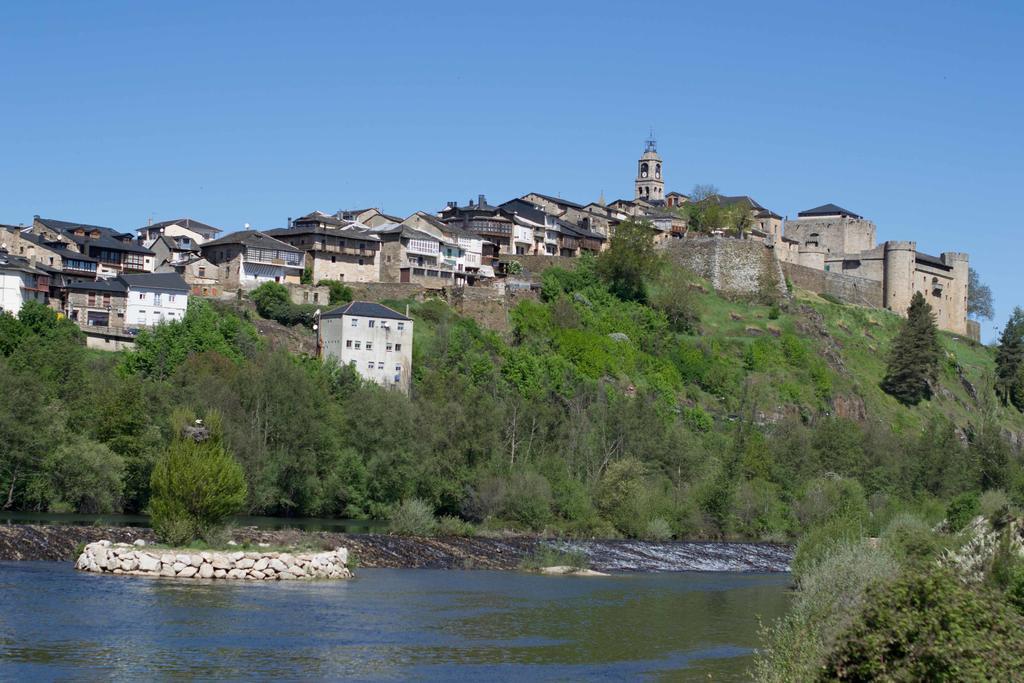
x,y
464,247
20,281
373,339
201,276
491,223
248,258
97,304
413,256
115,252
47,254
335,248
191,231
154,298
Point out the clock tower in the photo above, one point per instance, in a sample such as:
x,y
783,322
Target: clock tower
x,y
650,185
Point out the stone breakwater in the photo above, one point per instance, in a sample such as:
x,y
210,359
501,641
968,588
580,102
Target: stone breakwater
x,y
104,557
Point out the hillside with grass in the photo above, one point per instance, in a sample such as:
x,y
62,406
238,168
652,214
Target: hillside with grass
x,y
629,400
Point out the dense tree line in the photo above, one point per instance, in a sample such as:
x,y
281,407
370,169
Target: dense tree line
x,y
605,412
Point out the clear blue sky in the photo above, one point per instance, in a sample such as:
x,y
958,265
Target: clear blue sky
x,y
232,113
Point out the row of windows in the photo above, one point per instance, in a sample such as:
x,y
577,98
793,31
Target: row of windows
x,y
357,345
373,323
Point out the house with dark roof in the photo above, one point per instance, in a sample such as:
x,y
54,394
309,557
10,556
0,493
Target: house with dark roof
x,y
114,252
492,224
21,281
249,258
49,254
371,338
189,230
154,298
334,248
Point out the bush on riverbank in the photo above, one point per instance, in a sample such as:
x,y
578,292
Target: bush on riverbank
x,y
196,486
413,517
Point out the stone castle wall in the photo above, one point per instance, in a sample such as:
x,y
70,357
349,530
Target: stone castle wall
x,y
102,557
489,306
733,266
846,288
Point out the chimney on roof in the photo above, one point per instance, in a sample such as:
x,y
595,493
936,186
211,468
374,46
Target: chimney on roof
x,y
471,202
289,222
452,205
482,202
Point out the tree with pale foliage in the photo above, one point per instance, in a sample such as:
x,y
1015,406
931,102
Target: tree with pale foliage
x,y
979,297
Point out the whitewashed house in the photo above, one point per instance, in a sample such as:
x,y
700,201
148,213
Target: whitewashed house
x,y
373,339
154,298
21,281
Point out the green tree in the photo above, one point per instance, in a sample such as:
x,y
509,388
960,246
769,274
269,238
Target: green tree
x,y
979,297
84,476
1010,361
915,354
673,294
630,260
340,293
29,429
196,486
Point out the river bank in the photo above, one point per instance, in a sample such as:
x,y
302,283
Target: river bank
x,y
60,542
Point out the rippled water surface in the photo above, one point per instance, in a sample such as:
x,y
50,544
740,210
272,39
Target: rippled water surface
x,y
386,624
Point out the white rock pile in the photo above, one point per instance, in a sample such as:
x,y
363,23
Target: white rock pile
x,y
121,558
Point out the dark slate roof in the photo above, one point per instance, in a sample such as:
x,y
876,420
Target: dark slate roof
x,y
56,247
12,262
932,261
365,309
827,210
115,286
250,238
558,200
321,217
108,239
526,209
759,210
189,223
348,229
155,281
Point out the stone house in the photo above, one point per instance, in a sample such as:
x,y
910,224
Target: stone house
x,y
115,252
414,256
47,253
201,276
96,304
491,223
374,339
248,258
334,248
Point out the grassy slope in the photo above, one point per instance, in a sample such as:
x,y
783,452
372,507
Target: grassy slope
x,y
862,336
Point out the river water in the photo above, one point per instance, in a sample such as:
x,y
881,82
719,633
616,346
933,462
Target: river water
x,y
387,624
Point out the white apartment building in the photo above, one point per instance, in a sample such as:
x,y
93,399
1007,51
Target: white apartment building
x,y
373,339
154,298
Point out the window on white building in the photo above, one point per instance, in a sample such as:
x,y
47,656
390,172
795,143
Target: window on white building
x,y
398,347
358,345
401,326
369,346
389,346
355,322
371,323
348,343
371,365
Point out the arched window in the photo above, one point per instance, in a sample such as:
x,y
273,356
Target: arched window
x,y
643,170
657,170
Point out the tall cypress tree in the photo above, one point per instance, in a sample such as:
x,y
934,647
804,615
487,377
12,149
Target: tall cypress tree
x,y
914,356
1010,361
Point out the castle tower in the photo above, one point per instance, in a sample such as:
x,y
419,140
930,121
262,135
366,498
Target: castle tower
x,y
650,184
898,285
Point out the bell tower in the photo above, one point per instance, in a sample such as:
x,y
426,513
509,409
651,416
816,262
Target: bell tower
x,y
650,183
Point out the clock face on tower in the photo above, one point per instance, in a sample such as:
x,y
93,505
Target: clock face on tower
x,y
643,174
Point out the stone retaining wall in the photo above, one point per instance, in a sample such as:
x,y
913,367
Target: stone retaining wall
x,y
103,557
847,288
733,266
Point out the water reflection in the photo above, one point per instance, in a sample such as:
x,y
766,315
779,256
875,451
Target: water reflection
x,y
387,624
351,526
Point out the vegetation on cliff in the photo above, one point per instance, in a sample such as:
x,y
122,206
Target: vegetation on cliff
x,y
629,400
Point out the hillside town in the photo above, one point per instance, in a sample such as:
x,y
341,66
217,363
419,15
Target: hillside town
x,y
113,282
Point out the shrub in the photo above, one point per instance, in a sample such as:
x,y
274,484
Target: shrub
x,y
274,303
831,497
821,541
528,500
911,538
930,627
413,517
993,503
195,488
449,525
548,556
697,419
658,530
961,510
830,598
